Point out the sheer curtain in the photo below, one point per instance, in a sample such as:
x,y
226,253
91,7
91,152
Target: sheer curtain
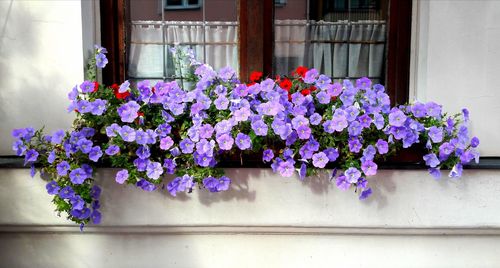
x,y
338,49
217,47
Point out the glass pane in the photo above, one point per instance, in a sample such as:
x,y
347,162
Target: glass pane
x,y
340,38
209,31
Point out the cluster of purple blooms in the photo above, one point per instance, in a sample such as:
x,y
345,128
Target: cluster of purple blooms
x,y
345,125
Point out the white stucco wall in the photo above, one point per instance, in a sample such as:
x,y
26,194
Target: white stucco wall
x,y
457,62
265,220
40,61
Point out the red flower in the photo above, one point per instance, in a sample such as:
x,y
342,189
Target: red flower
x,y
255,76
119,95
301,70
96,87
305,92
286,84
312,88
140,114
250,84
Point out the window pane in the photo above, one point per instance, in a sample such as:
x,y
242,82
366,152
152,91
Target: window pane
x,y
341,38
209,31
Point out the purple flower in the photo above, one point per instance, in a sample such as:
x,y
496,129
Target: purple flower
x,y
433,109
431,160
224,183
180,184
57,137
354,129
259,127
323,97
166,143
436,134
304,132
66,192
77,202
267,155
143,152
52,188
302,171
379,121
211,183
31,156
145,185
87,86
121,176
418,109
225,142
98,107
73,93
365,194
334,89
169,165
113,130
203,160
221,103
128,111
382,146
80,214
352,175
320,160
52,157
286,168
397,118
84,145
223,126
141,137
78,176
339,123
369,168
96,217
332,154
112,149
62,168
474,142
342,183
311,76
456,171
127,133
354,145
100,60
187,146
323,81
315,119
369,152
154,170
243,141
206,131
241,114
95,153
124,87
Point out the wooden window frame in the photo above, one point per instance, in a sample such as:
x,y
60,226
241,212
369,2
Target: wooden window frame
x,y
256,42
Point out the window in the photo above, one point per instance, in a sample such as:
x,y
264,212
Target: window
x,y
345,39
279,3
182,4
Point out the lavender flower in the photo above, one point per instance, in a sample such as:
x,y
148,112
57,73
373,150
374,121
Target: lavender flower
x,y
95,153
369,168
87,86
243,141
436,134
267,155
154,170
431,160
342,183
352,175
78,176
121,176
225,142
112,149
180,184
397,118
365,194
52,188
128,111
320,160
62,168
127,133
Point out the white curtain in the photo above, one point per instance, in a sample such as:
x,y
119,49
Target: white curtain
x,y
327,47
146,46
